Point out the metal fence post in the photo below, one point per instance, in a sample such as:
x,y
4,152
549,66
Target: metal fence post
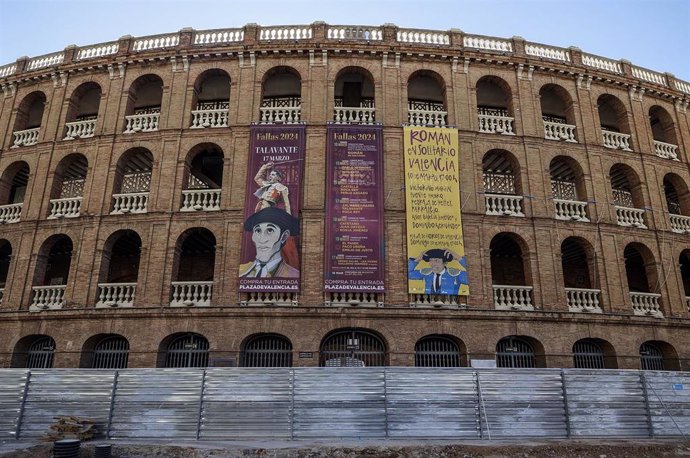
x,y
20,418
643,381
112,404
385,402
292,404
201,404
482,407
565,405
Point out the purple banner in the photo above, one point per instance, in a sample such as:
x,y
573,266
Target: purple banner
x,y
270,245
354,214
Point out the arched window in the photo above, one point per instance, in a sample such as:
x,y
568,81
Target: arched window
x,y
557,113
193,267
426,95
594,354
111,352
187,350
627,196
83,111
5,257
281,96
641,273
203,178
508,273
578,267
267,350
52,271
68,187
437,351
677,202
684,262
13,186
354,97
664,133
119,269
144,104
568,189
132,182
517,352
29,118
651,357
211,99
352,348
40,353
613,117
502,187
495,106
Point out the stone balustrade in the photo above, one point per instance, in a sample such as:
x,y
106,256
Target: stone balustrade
x,y
200,200
503,204
649,76
147,122
286,115
10,213
99,50
354,115
436,300
26,137
680,224
287,32
559,131
65,208
425,37
257,298
630,217
353,298
512,297
680,85
666,150
219,36
116,294
487,43
571,210
354,32
616,140
646,304
583,300
202,119
47,298
49,60
547,52
191,293
8,70
602,63
156,42
80,129
494,124
136,202
431,118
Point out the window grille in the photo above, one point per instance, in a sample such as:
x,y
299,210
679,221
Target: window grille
x,y
147,110
622,198
364,102
436,351
499,183
673,207
564,190
196,183
556,119
424,105
514,352
588,355
651,358
136,182
485,111
111,353
40,355
352,348
190,350
213,105
267,351
281,102
72,188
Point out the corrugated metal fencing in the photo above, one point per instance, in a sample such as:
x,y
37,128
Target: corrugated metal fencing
x,y
374,403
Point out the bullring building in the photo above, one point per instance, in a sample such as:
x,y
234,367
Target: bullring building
x,y
255,197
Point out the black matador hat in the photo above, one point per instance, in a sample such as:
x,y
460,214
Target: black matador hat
x,y
274,215
437,253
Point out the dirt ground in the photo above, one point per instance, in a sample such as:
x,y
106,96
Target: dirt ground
x,y
352,449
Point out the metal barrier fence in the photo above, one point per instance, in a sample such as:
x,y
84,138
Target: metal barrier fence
x,y
374,403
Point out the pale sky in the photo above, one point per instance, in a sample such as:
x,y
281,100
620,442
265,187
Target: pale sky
x,y
650,33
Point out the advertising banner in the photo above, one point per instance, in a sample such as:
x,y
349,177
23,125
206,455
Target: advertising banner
x,y
270,258
354,214
435,249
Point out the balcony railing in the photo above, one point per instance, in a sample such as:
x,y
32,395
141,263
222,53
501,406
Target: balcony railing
x,y
422,113
616,140
202,119
10,213
256,298
26,137
666,150
200,200
354,115
583,300
116,294
191,293
495,121
646,304
680,224
436,300
571,210
65,208
136,202
47,297
355,299
559,131
80,129
630,217
284,115
513,297
146,122
503,204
